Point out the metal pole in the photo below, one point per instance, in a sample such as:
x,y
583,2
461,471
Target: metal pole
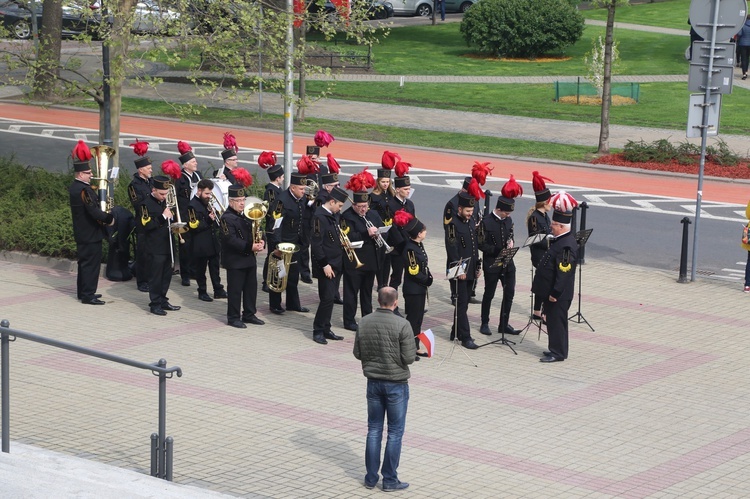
x,y
169,451
154,454
683,251
260,65
161,473
289,96
105,84
5,359
582,252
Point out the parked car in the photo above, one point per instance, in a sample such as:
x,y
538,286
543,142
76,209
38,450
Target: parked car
x,y
152,17
424,7
376,9
16,18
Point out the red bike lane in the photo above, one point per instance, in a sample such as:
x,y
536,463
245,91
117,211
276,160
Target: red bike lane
x,y
579,175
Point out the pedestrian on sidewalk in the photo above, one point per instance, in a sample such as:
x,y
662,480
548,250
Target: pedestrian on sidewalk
x,y
384,343
746,247
743,40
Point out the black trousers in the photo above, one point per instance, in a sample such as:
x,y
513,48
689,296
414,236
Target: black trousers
x,y
414,308
292,293
141,259
304,261
508,281
744,57
271,248
89,267
159,278
242,290
357,284
397,273
186,260
557,327
384,271
326,294
212,262
462,329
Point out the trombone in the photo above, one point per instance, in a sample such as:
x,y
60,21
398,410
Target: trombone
x,y
179,227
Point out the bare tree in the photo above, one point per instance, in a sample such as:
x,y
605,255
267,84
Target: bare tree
x,y
50,47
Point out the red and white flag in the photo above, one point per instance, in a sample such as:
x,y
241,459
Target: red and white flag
x,y
428,340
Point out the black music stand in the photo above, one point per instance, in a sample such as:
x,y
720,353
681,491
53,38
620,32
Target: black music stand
x,y
582,236
505,256
456,269
532,322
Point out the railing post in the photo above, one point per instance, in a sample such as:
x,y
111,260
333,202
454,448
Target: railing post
x,y
154,454
683,253
162,418
170,445
5,359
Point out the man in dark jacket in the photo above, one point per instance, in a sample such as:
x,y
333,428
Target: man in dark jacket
x,y
384,344
88,229
184,188
203,223
274,188
555,281
138,190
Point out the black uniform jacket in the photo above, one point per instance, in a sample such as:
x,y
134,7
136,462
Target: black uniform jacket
x,y
138,190
184,189
451,211
291,210
397,237
155,226
236,241
417,275
461,242
493,236
355,228
379,203
202,229
270,196
538,223
88,218
227,173
326,243
555,274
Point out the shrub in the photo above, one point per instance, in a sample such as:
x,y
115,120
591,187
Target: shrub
x,y
522,28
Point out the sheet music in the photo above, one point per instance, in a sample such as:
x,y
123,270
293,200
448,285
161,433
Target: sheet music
x,y
277,223
458,270
384,230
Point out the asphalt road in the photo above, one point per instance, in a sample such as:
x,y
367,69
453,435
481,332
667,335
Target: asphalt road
x,y
629,227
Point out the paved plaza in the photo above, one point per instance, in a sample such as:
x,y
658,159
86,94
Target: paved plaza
x,y
654,402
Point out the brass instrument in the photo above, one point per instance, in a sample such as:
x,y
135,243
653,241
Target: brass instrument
x,y
311,189
255,210
216,207
179,227
274,282
379,241
102,156
350,253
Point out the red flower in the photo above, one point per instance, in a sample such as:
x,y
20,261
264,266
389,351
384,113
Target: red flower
x,y
511,189
172,169
306,165
402,217
140,148
183,147
475,190
229,142
243,177
333,165
323,138
267,159
480,171
389,160
402,168
81,152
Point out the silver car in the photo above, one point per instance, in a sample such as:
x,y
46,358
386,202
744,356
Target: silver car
x,y
424,7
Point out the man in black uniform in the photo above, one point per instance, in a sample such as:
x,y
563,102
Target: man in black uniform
x,y
396,236
289,207
206,246
327,261
238,257
138,190
274,188
184,188
358,282
495,233
461,242
155,217
230,163
326,182
88,229
555,277
450,210
379,197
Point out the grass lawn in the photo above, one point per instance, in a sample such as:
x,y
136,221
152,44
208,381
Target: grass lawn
x,y
667,14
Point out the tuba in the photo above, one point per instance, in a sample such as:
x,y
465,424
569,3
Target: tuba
x,y
103,156
274,281
255,210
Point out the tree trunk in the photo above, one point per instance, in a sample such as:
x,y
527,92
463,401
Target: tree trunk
x,y
301,90
607,83
50,46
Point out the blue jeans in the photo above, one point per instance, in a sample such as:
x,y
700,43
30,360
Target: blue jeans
x,y
385,397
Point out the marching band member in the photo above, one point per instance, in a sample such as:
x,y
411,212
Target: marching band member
x,y
203,221
274,188
238,258
537,222
397,239
450,210
155,217
379,201
184,188
555,277
229,156
327,263
88,226
417,275
308,166
138,190
495,233
289,207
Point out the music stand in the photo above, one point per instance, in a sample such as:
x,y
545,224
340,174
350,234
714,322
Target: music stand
x,y
582,236
505,256
529,241
455,270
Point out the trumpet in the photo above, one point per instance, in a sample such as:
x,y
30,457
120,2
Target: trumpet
x,y
311,189
379,241
256,211
216,207
179,227
350,253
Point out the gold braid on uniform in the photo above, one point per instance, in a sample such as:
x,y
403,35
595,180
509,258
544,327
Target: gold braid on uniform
x,y
448,215
133,195
533,223
316,226
344,227
277,212
452,233
193,222
85,197
144,216
224,227
388,218
413,265
564,264
481,234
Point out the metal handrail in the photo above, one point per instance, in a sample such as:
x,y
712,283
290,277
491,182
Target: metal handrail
x,y
161,465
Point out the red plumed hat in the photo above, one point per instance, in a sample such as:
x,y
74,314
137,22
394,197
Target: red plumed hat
x,y
323,138
183,147
81,152
540,188
229,142
368,179
389,160
475,190
243,177
171,169
402,168
333,165
140,147
307,165
355,183
402,217
267,159
480,171
511,189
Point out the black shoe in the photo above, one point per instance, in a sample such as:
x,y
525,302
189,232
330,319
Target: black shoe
x,y
474,300
253,320
549,358
397,312
143,288
510,330
220,294
304,310
395,486
423,354
93,301
330,336
453,334
485,329
469,344
338,301
204,297
351,327
265,289
416,359
538,318
277,311
546,353
169,306
237,324
318,338
158,311
306,279
186,282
